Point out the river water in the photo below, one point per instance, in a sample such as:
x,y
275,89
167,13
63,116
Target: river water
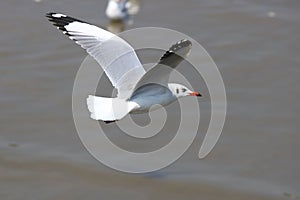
x,y
255,45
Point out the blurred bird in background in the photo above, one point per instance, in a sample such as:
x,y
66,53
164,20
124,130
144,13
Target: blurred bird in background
x,y
121,12
121,9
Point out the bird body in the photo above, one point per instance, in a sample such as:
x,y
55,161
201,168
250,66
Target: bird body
x,y
149,95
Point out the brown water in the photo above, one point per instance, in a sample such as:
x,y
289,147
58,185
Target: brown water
x,y
41,156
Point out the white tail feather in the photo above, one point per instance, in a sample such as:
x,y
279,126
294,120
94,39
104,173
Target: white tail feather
x,y
108,109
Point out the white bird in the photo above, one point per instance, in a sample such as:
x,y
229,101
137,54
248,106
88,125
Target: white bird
x,y
138,90
121,9
116,9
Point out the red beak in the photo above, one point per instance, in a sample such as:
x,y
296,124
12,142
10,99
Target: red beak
x,y
197,94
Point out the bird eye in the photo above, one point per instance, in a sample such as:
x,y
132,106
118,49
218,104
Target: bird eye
x,y
183,90
177,90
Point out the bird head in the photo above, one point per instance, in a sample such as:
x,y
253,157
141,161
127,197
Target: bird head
x,y
179,90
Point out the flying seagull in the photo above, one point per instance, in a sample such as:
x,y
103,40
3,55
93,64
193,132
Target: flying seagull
x,y
138,90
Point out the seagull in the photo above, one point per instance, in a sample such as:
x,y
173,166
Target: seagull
x,y
138,90
121,9
117,9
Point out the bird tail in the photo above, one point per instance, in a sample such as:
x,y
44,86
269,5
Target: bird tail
x,y
108,109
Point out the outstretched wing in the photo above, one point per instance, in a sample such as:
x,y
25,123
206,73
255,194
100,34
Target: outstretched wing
x,y
170,60
117,58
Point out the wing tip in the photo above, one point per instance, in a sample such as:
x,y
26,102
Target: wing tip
x,y
180,44
61,20
176,47
54,15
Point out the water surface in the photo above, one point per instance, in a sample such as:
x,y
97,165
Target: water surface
x,y
41,156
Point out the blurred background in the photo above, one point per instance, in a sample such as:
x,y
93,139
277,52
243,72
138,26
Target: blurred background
x,y
255,44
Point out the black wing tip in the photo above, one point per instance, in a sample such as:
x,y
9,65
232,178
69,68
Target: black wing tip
x,y
54,15
49,14
60,20
180,44
176,47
